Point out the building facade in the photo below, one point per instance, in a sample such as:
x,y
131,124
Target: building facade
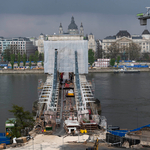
x,y
91,42
123,38
20,44
73,33
40,42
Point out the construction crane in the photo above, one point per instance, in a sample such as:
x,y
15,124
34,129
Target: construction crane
x,y
95,147
144,16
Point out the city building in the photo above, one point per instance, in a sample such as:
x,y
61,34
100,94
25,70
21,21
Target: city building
x,y
21,44
123,38
73,33
34,40
91,42
40,43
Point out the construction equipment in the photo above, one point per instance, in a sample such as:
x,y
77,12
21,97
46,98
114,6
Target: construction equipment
x,y
95,147
144,16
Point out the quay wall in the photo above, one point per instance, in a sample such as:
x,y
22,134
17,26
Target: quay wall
x,y
103,70
110,70
21,71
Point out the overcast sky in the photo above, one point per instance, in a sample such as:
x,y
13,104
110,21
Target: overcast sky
x,y
100,17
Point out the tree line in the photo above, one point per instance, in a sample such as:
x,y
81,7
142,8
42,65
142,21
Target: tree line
x,y
117,52
11,55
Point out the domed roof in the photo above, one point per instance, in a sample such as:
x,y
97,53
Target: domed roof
x,y
123,33
41,34
72,24
81,25
60,25
145,32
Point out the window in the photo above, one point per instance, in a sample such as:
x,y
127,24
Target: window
x,y
143,43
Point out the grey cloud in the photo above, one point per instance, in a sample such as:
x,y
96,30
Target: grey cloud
x,y
59,7
99,24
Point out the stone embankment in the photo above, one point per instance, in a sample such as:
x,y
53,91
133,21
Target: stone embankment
x,y
41,71
111,70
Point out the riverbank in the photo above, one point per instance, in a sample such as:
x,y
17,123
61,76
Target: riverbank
x,y
41,71
111,70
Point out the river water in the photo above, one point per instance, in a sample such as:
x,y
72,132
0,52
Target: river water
x,y
125,98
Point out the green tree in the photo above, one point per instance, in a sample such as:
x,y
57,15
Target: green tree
x,y
90,56
18,59
146,56
112,62
36,57
12,60
113,50
118,59
133,51
24,59
42,59
7,53
30,59
23,119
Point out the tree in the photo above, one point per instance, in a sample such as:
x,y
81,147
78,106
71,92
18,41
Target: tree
x,y
112,62
90,56
30,58
23,119
133,51
99,51
18,59
113,50
7,53
42,59
24,59
12,60
36,57
118,59
146,56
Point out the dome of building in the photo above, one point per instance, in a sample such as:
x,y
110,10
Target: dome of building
x,y
81,25
72,24
60,25
145,32
123,33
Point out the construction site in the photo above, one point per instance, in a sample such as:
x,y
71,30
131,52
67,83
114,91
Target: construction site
x,y
67,115
66,99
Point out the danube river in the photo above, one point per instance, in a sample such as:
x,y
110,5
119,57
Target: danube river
x,y
125,98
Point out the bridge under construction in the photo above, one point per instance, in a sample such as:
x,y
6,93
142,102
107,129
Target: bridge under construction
x,y
67,97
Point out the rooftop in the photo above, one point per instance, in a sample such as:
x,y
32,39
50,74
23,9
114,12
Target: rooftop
x,y
72,24
137,37
145,32
122,33
110,37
